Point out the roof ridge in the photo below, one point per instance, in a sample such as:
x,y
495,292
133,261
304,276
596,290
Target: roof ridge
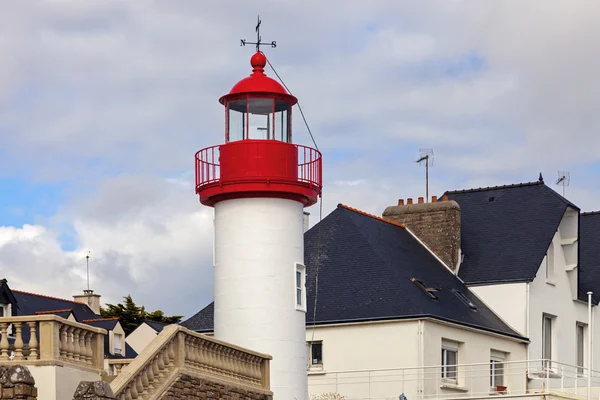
x,y
47,297
54,311
101,319
356,210
591,213
483,189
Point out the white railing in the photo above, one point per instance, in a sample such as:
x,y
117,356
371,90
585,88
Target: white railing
x,y
473,381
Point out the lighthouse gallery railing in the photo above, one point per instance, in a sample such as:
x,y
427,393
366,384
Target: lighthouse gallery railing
x,y
309,171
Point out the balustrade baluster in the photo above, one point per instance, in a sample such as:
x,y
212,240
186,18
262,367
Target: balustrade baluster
x,y
160,362
18,344
165,357
33,341
82,349
144,378
171,347
133,390
139,385
150,376
4,344
89,352
70,346
63,341
76,346
155,369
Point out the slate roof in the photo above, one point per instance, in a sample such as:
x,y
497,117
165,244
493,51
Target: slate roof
x,y
589,253
202,321
31,303
365,275
104,323
157,326
506,230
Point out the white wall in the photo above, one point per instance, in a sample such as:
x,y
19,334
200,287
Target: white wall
x,y
258,242
364,347
509,301
555,297
59,383
474,347
141,337
399,346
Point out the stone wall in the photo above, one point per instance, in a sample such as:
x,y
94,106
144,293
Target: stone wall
x,y
192,388
94,391
16,382
437,224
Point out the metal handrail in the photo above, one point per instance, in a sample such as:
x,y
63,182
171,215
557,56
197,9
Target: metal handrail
x,y
208,168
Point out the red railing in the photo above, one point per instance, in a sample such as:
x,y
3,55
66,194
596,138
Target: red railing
x,y
309,171
208,169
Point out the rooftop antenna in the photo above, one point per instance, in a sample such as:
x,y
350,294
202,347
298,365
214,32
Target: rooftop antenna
x,y
427,156
87,264
564,178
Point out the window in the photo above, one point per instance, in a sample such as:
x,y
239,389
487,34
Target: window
x,y
300,283
550,264
547,324
449,360
496,368
117,343
465,300
315,354
580,335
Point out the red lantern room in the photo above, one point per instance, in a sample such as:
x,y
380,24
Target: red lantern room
x,y
258,158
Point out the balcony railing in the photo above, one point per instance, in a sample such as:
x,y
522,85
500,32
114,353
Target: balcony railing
x,y
177,350
469,381
308,171
51,340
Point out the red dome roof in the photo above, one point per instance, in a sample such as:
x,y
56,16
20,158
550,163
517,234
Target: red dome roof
x,y
259,83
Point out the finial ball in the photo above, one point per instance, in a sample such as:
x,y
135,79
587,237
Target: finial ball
x,y
258,60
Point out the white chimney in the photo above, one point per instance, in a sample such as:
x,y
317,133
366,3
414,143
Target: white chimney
x,y
88,297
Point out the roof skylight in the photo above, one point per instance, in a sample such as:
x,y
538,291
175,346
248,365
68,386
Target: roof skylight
x,y
464,299
427,290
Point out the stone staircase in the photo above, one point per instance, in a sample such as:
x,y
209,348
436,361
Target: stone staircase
x,y
182,364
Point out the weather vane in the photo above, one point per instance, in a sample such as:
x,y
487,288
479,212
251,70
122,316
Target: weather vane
x,y
258,42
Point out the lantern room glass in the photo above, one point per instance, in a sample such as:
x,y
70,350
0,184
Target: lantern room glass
x,y
258,118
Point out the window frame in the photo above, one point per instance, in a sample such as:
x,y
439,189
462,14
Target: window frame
x,y
310,358
580,327
300,291
497,360
117,350
547,347
550,264
449,369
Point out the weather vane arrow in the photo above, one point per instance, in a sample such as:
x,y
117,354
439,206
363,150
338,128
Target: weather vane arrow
x,y
258,42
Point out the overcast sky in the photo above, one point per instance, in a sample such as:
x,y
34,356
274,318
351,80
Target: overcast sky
x,y
104,103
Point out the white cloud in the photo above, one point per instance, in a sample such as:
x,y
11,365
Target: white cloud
x,y
112,99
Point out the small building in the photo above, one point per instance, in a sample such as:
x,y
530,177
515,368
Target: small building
x,y
143,335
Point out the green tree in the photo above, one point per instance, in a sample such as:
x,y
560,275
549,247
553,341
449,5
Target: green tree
x,y
131,316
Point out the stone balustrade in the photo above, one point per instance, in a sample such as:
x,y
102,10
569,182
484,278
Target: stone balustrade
x,y
51,340
178,351
117,365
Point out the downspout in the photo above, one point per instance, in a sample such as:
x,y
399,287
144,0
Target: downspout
x,y
420,359
590,325
527,331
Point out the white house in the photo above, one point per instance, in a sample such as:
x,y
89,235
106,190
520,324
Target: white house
x,y
518,248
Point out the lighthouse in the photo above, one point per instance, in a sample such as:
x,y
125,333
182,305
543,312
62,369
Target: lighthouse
x,y
259,182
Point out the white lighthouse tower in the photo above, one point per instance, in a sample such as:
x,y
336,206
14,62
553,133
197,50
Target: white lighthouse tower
x,y
259,183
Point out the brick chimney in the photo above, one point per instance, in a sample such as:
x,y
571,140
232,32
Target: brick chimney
x,y
88,297
437,224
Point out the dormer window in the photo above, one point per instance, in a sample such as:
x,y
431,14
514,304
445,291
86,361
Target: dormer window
x,y
5,310
430,292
